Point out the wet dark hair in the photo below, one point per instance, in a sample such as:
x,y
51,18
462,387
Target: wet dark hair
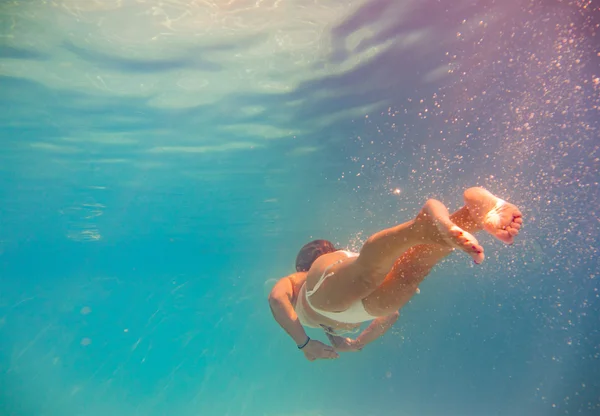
x,y
312,251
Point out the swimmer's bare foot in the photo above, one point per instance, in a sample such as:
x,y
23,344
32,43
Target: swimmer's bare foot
x,y
501,219
445,232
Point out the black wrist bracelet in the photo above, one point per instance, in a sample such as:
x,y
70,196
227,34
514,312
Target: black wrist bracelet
x,y
305,344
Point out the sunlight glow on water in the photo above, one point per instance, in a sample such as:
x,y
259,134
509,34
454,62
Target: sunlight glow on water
x,y
162,161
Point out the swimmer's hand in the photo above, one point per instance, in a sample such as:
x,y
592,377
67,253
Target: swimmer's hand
x,y
342,344
316,350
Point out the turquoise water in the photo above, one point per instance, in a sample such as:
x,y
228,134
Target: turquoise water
x,y
161,163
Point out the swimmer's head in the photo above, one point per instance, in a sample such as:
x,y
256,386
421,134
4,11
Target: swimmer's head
x,y
312,251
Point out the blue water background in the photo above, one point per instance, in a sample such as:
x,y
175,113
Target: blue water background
x,y
133,278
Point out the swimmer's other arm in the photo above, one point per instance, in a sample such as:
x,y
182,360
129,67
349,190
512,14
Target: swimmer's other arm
x,y
376,329
280,301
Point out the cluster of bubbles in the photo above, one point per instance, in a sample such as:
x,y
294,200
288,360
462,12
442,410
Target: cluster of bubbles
x,y
521,118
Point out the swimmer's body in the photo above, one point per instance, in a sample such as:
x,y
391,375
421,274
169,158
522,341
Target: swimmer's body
x,y
338,290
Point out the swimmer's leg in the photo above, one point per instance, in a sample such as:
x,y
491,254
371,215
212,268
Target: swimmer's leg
x,y
354,279
431,226
482,210
410,270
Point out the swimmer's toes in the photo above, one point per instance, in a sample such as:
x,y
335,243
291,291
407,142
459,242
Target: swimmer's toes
x,y
503,221
449,233
504,236
467,243
514,227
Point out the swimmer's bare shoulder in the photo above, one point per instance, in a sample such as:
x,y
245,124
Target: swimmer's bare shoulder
x,y
297,279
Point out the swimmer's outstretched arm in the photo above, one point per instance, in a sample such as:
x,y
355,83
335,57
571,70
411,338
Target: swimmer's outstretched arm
x,y
280,301
375,330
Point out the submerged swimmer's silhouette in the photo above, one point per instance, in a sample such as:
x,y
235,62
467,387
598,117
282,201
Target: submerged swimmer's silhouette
x,y
338,290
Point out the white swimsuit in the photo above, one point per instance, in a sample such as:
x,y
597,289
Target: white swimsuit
x,y
355,314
